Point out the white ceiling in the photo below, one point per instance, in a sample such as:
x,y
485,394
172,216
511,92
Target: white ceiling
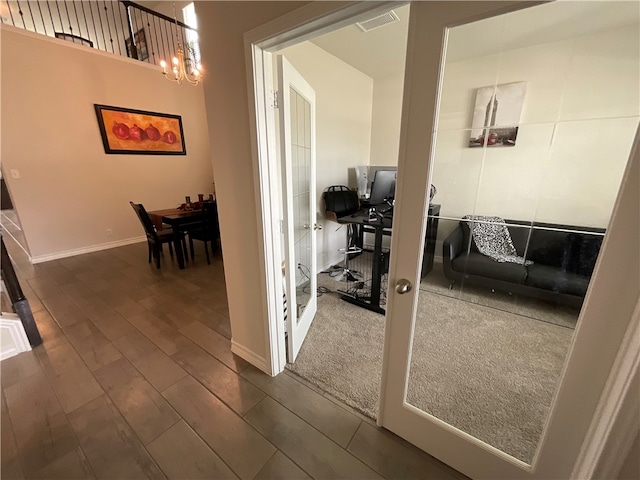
x,y
381,53
378,53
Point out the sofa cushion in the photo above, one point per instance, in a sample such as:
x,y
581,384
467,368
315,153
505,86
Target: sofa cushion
x,y
556,280
550,247
584,253
481,265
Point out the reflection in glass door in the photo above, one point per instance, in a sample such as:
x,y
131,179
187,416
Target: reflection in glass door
x,y
531,146
301,172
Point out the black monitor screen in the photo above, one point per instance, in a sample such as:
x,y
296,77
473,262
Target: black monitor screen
x,y
383,187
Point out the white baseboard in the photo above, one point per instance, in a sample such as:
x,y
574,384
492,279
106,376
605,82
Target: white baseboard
x,y
92,248
251,357
13,339
336,261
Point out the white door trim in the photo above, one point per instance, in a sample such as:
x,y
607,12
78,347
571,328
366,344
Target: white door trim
x,y
297,26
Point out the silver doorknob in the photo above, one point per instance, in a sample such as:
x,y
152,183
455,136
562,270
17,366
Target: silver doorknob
x,y
403,286
306,226
317,227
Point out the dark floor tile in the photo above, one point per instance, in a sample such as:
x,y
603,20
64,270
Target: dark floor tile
x,y
69,377
94,280
18,367
42,432
335,422
156,366
78,291
392,458
226,384
165,337
63,309
74,465
182,454
116,298
235,441
281,468
109,443
218,322
75,387
173,316
44,286
10,466
307,447
61,275
58,358
93,346
130,308
112,325
215,344
140,404
50,332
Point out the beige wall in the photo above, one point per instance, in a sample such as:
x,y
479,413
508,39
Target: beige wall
x,y
343,130
565,153
566,166
385,128
70,192
222,25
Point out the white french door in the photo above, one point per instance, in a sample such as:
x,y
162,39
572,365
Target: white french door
x,y
426,134
297,140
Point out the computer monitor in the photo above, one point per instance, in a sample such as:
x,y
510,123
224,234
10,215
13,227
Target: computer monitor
x,y
383,187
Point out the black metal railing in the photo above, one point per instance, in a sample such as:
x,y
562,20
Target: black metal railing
x,y
19,302
119,27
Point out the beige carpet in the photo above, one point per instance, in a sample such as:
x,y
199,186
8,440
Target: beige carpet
x,y
488,372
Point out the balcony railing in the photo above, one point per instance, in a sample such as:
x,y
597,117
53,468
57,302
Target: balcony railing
x,y
122,27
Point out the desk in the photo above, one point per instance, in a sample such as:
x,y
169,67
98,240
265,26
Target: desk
x,y
178,219
380,228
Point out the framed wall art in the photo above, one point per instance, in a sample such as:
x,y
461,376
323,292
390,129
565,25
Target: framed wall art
x,y
141,45
129,131
496,115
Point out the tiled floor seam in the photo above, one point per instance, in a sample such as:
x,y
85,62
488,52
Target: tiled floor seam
x,y
312,426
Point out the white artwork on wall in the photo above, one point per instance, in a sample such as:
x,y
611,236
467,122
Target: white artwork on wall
x,y
496,115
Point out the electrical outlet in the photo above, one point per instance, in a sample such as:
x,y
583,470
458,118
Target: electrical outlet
x,y
15,173
109,232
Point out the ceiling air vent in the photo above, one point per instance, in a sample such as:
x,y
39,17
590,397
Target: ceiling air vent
x,y
378,21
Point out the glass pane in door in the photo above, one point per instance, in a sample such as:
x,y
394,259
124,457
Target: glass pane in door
x,y
538,111
301,173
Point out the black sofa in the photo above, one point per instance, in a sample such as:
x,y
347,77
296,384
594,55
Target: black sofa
x,y
563,256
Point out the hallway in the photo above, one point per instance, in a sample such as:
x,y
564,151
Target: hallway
x,y
136,379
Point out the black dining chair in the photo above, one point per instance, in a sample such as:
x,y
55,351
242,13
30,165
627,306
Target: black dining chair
x,y
155,238
208,231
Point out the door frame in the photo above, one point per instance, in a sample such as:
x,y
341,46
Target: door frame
x,y
611,430
299,25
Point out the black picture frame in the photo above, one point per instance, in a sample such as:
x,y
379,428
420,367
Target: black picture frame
x,y
127,131
141,45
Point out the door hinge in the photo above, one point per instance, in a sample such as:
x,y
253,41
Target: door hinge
x,y
274,99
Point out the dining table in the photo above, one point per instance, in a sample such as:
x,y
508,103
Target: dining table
x,y
179,220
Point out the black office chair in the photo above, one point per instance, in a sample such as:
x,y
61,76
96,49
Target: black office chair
x,y
155,239
340,202
208,231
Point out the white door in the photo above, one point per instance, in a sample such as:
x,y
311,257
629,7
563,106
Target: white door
x,y
297,140
563,124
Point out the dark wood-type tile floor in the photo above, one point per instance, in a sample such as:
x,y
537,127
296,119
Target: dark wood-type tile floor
x,y
136,379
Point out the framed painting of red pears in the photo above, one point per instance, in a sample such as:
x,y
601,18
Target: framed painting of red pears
x,y
137,132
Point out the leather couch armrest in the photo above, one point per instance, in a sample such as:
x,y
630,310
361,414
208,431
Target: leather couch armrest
x,y
452,245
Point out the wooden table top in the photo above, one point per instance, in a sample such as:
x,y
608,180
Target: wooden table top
x,y
156,215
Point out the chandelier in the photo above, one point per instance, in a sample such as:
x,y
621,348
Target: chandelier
x,y
183,67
